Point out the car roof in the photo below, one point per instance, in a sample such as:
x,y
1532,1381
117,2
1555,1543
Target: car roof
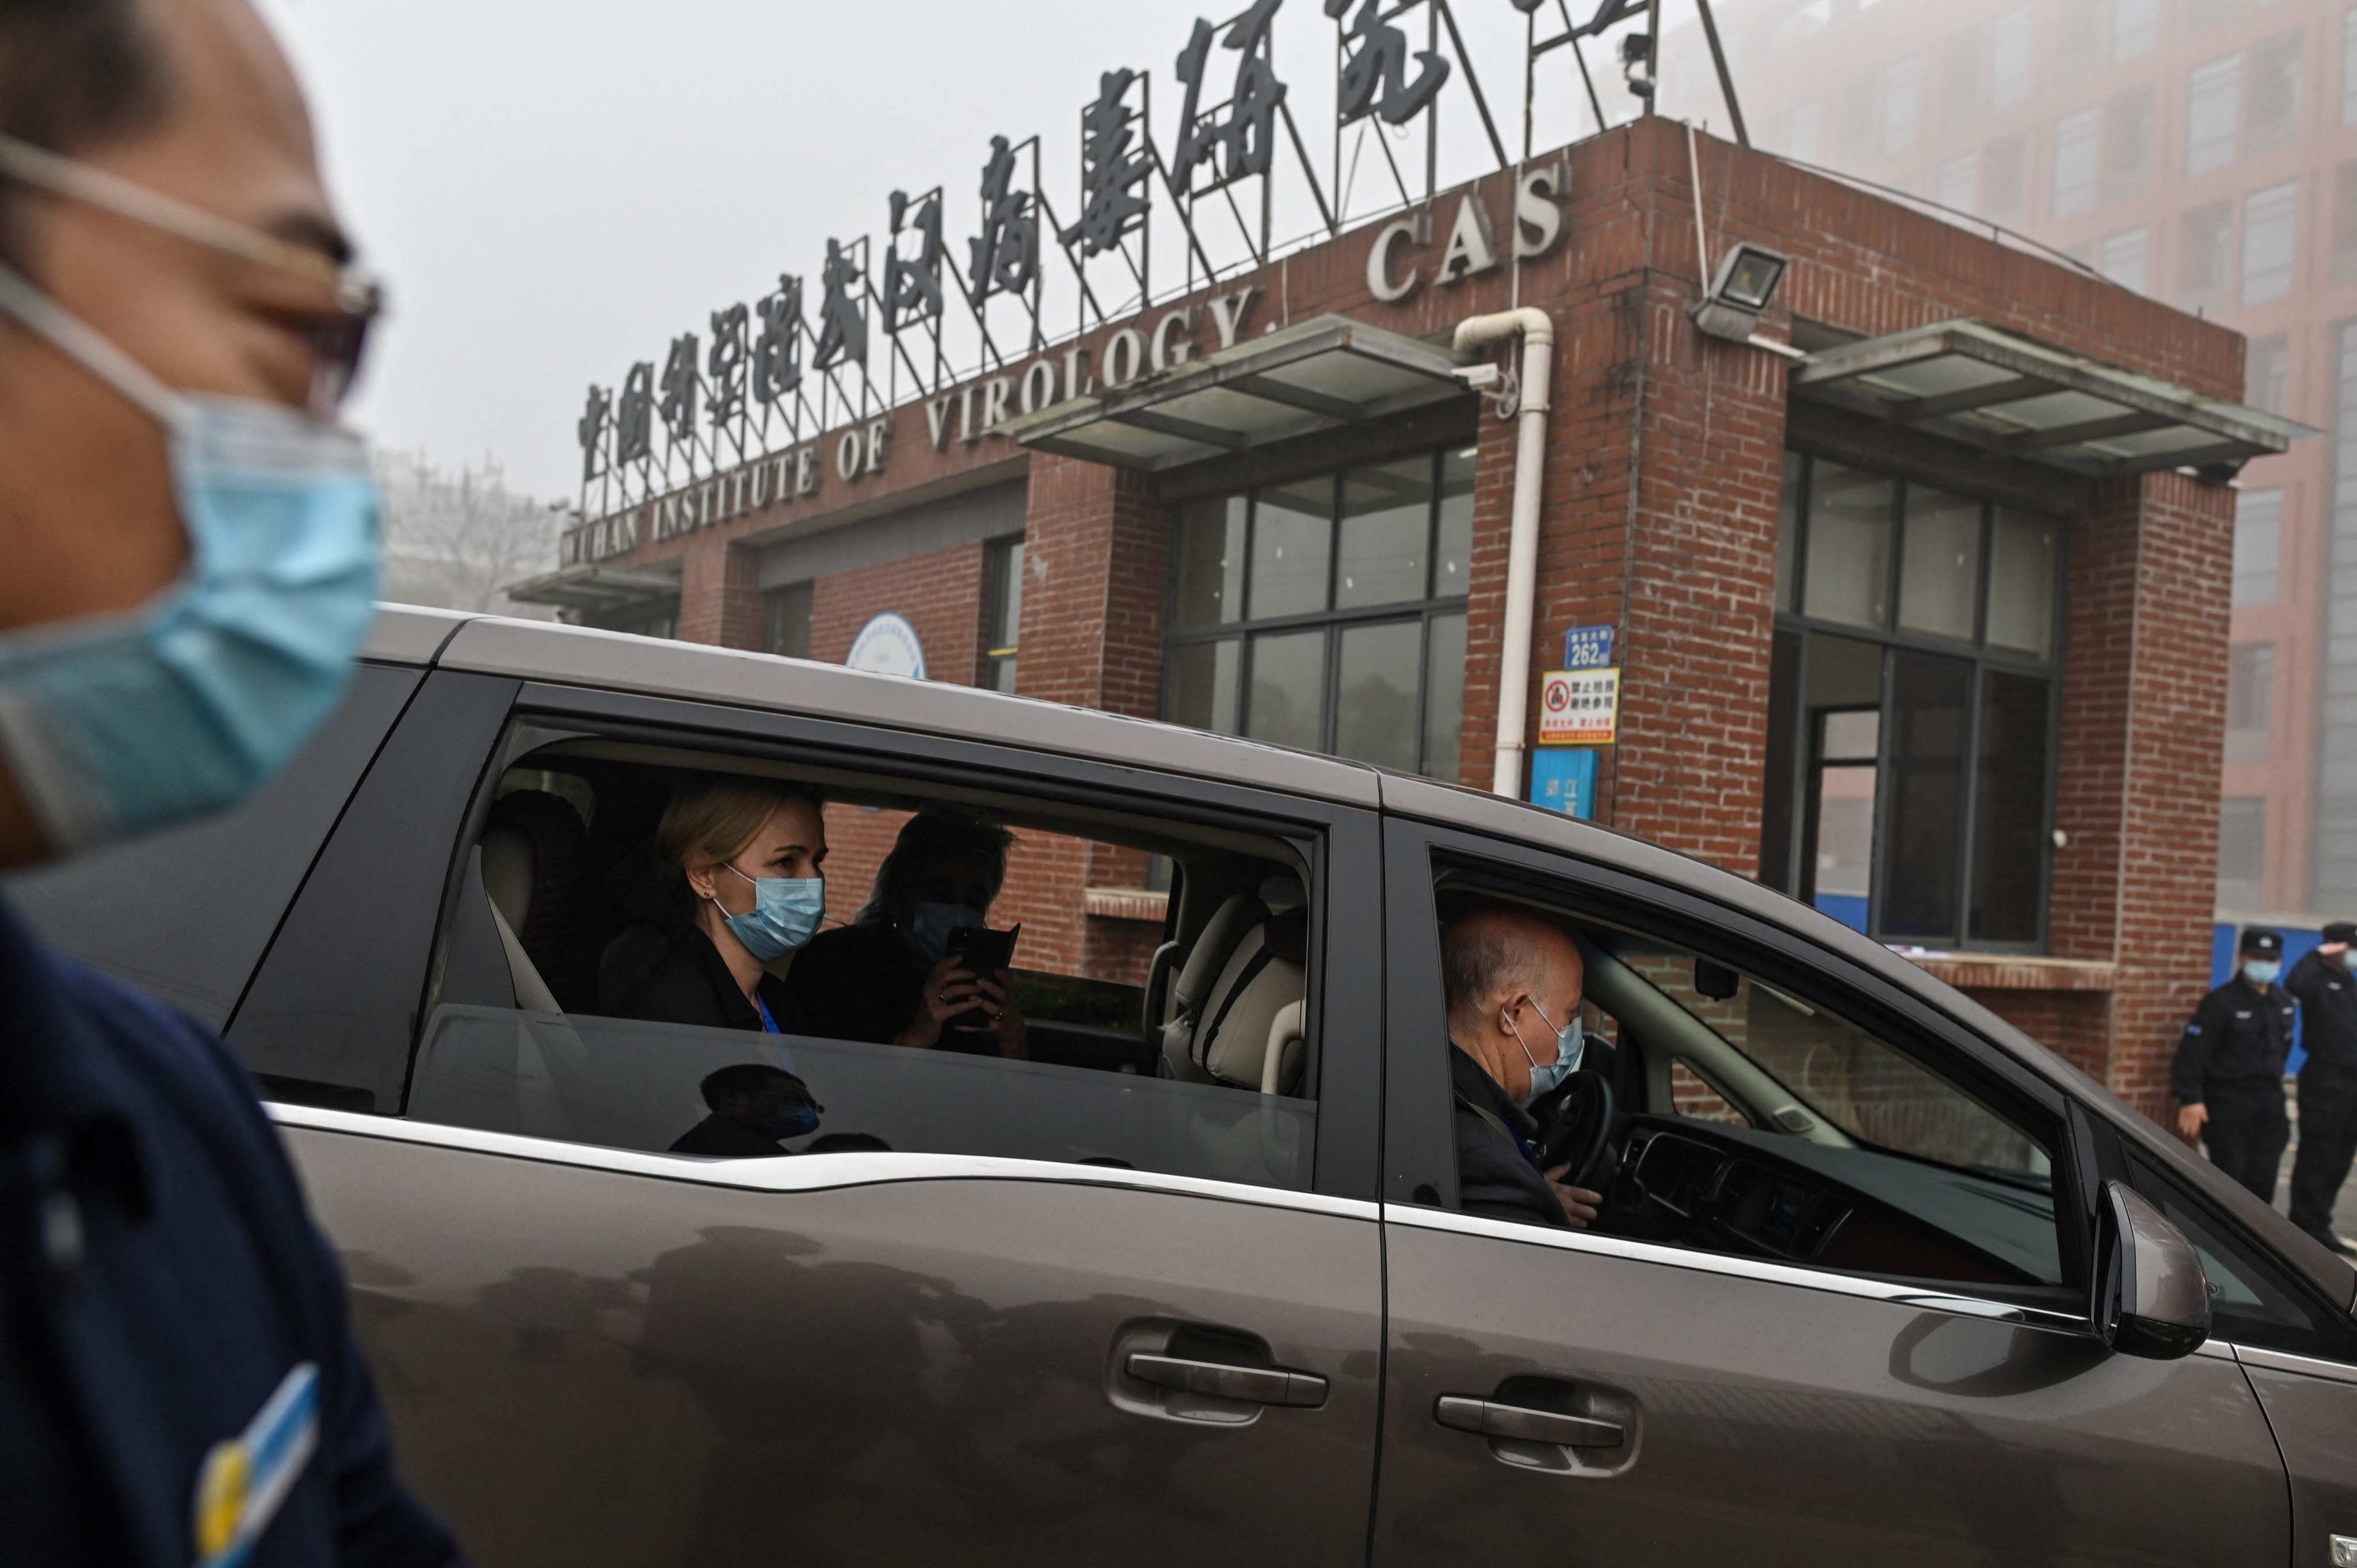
x,y
567,655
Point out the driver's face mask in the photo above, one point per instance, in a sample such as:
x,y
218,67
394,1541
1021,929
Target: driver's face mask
x,y
1570,1045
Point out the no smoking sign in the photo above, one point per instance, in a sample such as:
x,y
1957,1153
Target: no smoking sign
x,y
1579,707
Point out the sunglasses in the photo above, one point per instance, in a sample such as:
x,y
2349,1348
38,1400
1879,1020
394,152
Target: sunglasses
x,y
339,332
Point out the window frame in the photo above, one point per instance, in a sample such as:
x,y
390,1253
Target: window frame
x,y
1982,655
1339,842
1002,563
1246,631
1419,1161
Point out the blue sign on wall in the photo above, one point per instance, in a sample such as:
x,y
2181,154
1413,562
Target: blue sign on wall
x,y
1587,647
1564,778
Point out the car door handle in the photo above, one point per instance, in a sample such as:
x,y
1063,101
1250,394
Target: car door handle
x,y
1254,1385
1489,1418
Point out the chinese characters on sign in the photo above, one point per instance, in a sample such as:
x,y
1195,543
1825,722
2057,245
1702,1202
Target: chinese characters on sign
x,y
1112,204
1579,707
1565,780
1587,647
1375,77
1248,134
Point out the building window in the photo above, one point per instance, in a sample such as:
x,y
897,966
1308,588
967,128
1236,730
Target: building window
x,y
786,620
2082,30
2270,233
2349,67
1965,71
1911,709
1003,632
2202,15
2269,377
2258,546
1902,83
2332,877
2213,113
2250,699
2344,220
1960,180
1329,613
2075,141
2122,257
1804,128
2277,73
2013,45
2128,143
2135,27
2242,853
2001,179
2205,255
1857,115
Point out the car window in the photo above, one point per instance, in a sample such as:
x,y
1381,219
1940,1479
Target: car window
x,y
2250,1301
576,995
1755,1122
185,915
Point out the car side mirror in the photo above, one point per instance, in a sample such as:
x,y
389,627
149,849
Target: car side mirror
x,y
2154,1300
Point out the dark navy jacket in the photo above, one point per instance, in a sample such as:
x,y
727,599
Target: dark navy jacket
x,y
1494,1173
2328,1006
2239,1037
160,1280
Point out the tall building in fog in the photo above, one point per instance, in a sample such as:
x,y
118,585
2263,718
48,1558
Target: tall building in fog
x,y
2202,152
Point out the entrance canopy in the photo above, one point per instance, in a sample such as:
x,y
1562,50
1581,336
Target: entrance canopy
x,y
1976,386
600,589
1321,374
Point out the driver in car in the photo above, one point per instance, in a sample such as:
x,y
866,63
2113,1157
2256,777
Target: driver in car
x,y
1513,981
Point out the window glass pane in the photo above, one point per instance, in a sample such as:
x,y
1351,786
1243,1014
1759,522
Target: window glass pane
x,y
2023,577
1288,690
1848,577
1444,697
1931,700
1452,564
1293,532
1776,797
1788,527
2213,115
1386,529
2205,253
663,1058
2258,545
1203,685
2249,1302
2075,141
2270,240
1939,568
2242,852
1376,719
1006,598
1208,570
2013,49
2009,808
185,913
1844,708
2250,699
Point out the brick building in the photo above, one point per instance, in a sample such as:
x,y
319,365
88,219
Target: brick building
x,y
1922,609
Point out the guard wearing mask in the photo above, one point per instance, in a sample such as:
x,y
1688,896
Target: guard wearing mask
x,y
2228,1077
191,561
2325,982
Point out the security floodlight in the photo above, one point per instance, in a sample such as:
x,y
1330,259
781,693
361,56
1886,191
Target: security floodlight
x,y
1749,277
1637,61
1745,284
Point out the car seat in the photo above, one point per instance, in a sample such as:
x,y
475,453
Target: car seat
x,y
533,845
1236,1008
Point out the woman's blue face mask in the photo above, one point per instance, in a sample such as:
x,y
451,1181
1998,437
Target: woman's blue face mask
x,y
785,917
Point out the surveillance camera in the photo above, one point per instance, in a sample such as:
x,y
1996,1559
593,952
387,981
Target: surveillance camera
x,y
1478,378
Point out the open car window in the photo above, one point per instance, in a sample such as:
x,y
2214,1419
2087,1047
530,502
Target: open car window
x,y
1756,1123
1166,1029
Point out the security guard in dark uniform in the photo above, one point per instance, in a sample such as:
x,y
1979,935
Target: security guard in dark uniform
x,y
190,567
2325,982
2228,1077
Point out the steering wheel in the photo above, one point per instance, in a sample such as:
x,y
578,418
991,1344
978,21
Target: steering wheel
x,y
1575,1122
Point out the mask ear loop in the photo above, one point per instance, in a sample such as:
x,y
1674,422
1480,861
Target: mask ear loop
x,y
82,343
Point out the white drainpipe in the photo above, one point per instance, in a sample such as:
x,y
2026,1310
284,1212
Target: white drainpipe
x,y
1537,332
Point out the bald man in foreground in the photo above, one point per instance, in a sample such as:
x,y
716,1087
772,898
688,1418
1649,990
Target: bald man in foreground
x,y
1513,981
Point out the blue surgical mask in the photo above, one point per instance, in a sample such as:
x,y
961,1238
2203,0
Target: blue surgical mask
x,y
125,724
1570,1045
790,1118
930,927
2261,971
2349,958
785,917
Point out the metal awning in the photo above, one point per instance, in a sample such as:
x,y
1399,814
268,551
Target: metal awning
x,y
598,588
1321,374
1972,384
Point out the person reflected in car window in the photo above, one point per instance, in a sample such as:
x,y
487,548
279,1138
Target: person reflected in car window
x,y
1514,982
744,860
755,1108
890,976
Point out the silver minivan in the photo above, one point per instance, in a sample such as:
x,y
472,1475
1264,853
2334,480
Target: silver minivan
x,y
1876,1279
